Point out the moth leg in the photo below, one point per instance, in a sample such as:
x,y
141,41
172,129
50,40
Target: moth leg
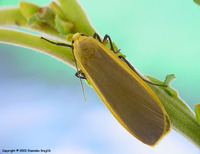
x,y
129,64
111,44
96,36
80,75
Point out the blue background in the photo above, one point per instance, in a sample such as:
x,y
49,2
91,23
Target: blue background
x,y
41,102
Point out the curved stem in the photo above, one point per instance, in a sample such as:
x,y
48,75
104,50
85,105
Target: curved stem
x,y
34,42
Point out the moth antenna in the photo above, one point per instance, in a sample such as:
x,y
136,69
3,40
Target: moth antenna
x,y
83,90
71,46
79,76
57,43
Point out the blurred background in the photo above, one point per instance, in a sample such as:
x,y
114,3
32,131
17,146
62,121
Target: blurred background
x,y
41,102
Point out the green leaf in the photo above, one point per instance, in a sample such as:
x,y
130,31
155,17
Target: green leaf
x,y
46,15
33,20
76,15
64,27
168,79
57,10
28,9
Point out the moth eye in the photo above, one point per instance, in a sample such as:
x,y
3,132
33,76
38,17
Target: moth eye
x,y
84,35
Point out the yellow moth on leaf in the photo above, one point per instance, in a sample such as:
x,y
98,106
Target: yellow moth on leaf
x,y
121,88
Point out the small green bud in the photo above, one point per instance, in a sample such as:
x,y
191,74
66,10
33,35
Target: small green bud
x,y
64,27
57,10
28,9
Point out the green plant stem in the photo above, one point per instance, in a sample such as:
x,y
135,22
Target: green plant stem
x,y
34,42
197,112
